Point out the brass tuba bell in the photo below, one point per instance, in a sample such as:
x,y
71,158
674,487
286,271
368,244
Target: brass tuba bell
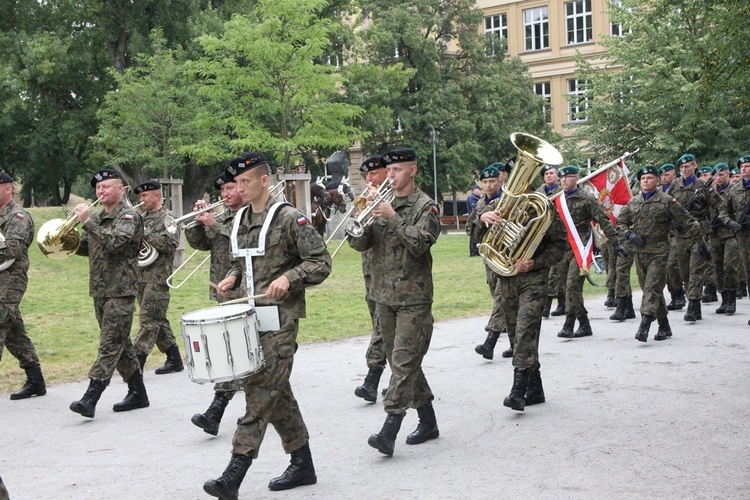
x,y
58,239
524,217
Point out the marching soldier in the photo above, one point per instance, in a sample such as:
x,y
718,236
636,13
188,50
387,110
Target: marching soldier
x,y
213,233
112,240
153,292
674,279
645,222
17,231
550,188
724,248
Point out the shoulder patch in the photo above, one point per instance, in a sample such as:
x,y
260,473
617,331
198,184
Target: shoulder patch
x,y
435,209
19,215
128,216
301,221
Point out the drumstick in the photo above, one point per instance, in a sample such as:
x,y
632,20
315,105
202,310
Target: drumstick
x,y
243,299
212,285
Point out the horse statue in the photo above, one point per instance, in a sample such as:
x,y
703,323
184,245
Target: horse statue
x,y
337,196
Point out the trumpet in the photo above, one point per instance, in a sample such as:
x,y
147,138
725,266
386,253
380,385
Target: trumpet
x,y
356,227
5,264
359,204
58,238
188,221
170,278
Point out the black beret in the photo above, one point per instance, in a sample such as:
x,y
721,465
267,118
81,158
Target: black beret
x,y
648,169
372,163
398,155
5,178
686,158
104,175
147,186
221,180
743,159
243,163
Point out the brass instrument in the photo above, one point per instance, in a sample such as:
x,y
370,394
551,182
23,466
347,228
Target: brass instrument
x,y
524,217
358,205
58,239
170,278
147,254
188,221
356,227
5,264
277,190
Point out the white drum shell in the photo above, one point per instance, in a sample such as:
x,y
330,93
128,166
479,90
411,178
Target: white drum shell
x,y
222,343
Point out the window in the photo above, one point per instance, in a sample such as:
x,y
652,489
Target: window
x,y
543,89
616,29
578,19
495,33
536,28
577,101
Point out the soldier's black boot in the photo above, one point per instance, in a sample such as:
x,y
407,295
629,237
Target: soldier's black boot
x,y
547,306
619,314
665,330
743,288
610,300
142,359
515,400
227,487
136,396
698,314
173,363
692,312
642,333
385,440
584,327
427,428
487,350
680,299
560,309
567,329
34,385
300,472
534,391
87,404
722,309
709,293
211,420
673,303
369,388
508,353
731,303
629,310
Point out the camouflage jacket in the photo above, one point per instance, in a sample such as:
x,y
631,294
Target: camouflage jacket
x,y
585,208
216,239
293,249
702,206
155,234
542,189
112,242
734,204
473,220
720,230
651,220
17,227
402,262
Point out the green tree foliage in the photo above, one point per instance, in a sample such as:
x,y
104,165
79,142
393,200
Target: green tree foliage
x,y
675,82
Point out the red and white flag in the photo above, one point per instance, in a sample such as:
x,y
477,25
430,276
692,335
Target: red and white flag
x,y
583,252
610,186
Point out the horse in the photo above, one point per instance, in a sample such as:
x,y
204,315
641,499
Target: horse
x,y
336,197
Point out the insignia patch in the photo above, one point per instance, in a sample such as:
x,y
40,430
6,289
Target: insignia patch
x,y
98,176
435,209
232,170
301,221
196,346
128,217
19,215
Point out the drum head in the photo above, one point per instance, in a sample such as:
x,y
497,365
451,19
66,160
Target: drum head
x,y
217,313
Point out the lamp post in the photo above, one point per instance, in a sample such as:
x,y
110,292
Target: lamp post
x,y
434,135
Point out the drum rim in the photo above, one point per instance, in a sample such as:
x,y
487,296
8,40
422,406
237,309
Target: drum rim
x,y
249,311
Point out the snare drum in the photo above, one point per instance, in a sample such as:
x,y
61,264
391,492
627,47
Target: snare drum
x,y
222,343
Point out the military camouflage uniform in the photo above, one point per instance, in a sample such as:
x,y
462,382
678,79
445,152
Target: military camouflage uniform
x,y
296,250
583,208
525,293
734,204
3,491
651,219
153,292
402,289
556,284
693,266
725,248
375,355
217,240
112,242
17,227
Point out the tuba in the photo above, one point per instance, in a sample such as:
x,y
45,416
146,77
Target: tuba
x,y
524,217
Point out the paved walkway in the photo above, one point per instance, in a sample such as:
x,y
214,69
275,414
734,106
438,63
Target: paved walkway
x,y
623,419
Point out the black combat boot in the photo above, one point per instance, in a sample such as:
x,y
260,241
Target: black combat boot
x,y
508,353
722,309
385,440
173,363
227,487
534,391
300,472
693,309
731,303
665,331
673,303
34,385
87,405
610,300
210,420
142,360
487,350
427,428
560,310
743,288
567,329
642,334
369,388
515,400
619,314
547,306
680,299
709,293
136,396
584,327
629,311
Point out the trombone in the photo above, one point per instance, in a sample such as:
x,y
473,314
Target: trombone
x,y
356,227
58,238
278,190
170,278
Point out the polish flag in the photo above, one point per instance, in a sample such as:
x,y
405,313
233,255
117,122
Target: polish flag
x,y
611,188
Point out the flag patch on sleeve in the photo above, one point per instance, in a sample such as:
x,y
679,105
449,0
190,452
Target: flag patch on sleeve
x,y
302,221
435,209
19,215
128,217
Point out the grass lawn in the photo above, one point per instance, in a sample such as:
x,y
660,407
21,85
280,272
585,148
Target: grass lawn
x,y
59,314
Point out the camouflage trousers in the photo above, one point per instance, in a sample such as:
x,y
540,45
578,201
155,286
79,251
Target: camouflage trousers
x,y
692,265
622,274
496,322
523,300
155,327
269,398
407,332
116,352
609,256
562,272
228,389
3,491
13,336
674,279
375,355
553,280
744,248
574,305
652,275
726,262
